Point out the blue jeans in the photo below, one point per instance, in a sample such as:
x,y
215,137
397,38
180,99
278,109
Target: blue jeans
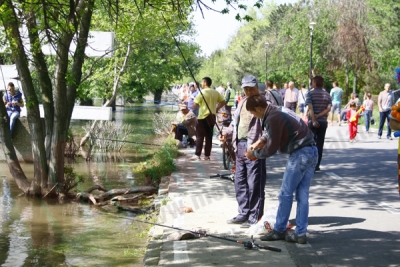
x,y
367,118
297,178
302,107
382,117
14,115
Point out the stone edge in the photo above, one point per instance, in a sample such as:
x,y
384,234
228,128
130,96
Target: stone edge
x,y
154,247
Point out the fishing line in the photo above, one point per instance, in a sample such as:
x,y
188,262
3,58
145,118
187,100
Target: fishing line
x,y
190,71
122,141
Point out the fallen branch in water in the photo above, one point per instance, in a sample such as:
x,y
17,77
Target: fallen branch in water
x,y
112,195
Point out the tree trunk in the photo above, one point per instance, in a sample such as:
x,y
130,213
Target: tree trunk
x,y
45,82
10,22
65,93
9,152
60,129
347,83
157,96
354,83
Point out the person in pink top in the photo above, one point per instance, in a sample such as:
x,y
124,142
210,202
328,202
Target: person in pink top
x,y
369,107
352,112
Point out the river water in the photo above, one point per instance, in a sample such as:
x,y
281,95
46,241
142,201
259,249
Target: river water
x,y
36,232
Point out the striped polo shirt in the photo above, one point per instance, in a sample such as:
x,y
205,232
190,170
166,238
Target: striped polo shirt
x,y
319,99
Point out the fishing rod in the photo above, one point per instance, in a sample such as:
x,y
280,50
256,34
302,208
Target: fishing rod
x,y
190,71
247,244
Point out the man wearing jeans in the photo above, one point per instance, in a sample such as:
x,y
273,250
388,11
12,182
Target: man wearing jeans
x,y
336,95
288,133
385,102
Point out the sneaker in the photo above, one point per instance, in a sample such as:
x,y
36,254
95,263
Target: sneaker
x,y
236,220
292,236
273,235
389,138
379,137
206,158
194,158
247,224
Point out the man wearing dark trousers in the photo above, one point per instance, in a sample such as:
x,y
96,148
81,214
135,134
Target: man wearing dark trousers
x,y
319,104
385,102
208,100
250,176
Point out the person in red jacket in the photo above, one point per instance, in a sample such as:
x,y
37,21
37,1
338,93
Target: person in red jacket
x,y
352,113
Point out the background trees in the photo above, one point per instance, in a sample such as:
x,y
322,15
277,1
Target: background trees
x,y
355,43
144,49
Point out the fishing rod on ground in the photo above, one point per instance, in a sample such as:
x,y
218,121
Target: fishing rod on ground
x,y
247,244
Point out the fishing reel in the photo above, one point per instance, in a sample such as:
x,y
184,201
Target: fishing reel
x,y
228,176
252,245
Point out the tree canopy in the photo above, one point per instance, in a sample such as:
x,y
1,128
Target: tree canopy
x,y
353,39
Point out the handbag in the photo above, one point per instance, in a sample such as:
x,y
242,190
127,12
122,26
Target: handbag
x,y
372,121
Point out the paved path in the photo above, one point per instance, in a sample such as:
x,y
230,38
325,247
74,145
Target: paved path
x,y
354,210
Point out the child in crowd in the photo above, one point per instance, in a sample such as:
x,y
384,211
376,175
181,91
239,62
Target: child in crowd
x,y
352,112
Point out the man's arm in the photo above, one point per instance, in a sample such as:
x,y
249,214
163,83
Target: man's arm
x,y
312,116
195,105
269,143
220,105
379,102
324,112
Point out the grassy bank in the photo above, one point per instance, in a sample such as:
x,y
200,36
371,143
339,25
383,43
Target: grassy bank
x,y
160,164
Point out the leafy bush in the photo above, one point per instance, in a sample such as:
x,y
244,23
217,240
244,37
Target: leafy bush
x,y
72,179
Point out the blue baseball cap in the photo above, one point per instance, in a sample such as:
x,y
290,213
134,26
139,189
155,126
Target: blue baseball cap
x,y
249,81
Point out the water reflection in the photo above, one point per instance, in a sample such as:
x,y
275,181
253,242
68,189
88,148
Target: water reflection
x,y
41,233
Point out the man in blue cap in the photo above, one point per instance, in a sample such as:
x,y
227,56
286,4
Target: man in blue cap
x,y
250,176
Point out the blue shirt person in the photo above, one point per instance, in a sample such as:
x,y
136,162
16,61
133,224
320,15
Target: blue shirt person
x,y
13,101
336,95
193,93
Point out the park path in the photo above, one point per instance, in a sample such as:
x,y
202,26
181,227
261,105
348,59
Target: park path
x,y
353,199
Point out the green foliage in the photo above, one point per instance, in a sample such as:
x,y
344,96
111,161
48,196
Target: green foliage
x,y
371,56
154,60
72,179
161,164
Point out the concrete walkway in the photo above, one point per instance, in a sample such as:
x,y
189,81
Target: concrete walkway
x,y
213,202
367,171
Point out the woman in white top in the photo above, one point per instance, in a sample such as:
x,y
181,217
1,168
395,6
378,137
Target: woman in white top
x,y
302,99
369,106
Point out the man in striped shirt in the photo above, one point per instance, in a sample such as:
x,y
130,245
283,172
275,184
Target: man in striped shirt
x,y
319,104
